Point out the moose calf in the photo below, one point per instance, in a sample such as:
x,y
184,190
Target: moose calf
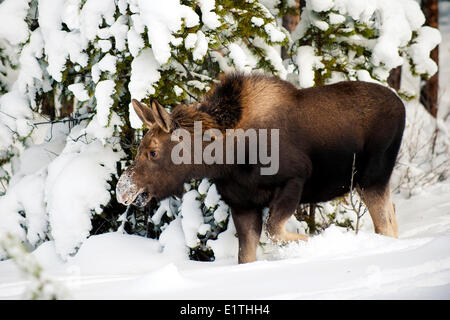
x,y
321,131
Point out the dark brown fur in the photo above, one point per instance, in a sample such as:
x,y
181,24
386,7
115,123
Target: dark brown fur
x,y
321,129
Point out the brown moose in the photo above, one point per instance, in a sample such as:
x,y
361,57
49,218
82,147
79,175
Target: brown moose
x,y
321,130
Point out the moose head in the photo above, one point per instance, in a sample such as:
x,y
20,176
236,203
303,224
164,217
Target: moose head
x,y
152,173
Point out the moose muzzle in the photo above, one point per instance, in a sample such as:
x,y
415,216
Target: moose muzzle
x,y
127,192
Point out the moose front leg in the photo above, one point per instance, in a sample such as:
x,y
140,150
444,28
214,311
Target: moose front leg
x,y
248,223
281,208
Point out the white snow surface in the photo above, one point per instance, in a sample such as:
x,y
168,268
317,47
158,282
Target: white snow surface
x,y
103,92
309,62
162,18
144,74
79,91
69,205
13,13
334,265
209,18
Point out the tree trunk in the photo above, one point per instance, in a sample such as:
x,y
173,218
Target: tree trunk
x,y
429,92
395,78
290,23
312,218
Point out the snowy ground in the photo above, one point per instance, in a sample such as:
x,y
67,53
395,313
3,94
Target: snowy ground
x,y
334,265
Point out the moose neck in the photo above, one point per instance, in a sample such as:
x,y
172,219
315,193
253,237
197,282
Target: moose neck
x,y
207,164
202,157
204,144
210,171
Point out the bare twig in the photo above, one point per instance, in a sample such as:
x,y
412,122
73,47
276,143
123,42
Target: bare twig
x,y
357,206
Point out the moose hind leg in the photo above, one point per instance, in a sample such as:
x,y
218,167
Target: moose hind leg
x,y
282,206
248,223
381,209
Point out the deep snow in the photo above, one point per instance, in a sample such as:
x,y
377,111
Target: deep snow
x,y
334,265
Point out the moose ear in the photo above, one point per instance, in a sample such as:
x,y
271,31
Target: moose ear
x,y
162,117
144,112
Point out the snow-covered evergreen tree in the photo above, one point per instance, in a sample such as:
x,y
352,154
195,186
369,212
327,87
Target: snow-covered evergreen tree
x,y
69,108
339,40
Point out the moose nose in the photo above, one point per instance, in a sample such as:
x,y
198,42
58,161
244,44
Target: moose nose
x,y
126,189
